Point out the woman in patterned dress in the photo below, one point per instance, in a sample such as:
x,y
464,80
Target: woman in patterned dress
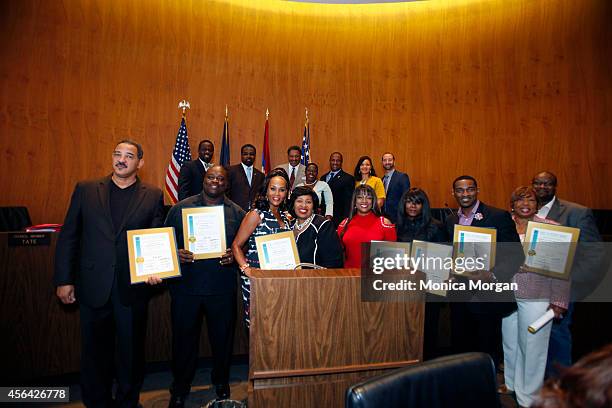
x,y
268,216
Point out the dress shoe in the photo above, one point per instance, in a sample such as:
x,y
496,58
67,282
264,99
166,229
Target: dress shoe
x,y
223,391
176,401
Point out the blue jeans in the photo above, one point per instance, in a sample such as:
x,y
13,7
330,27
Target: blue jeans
x,y
560,345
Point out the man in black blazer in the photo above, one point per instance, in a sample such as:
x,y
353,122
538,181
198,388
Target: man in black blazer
x,y
342,186
206,287
91,267
244,179
587,269
192,172
396,184
476,325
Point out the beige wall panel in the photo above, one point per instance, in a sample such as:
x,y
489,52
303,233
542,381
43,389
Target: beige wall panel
x,y
498,89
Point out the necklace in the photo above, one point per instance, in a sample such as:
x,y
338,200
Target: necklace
x,y
301,226
310,184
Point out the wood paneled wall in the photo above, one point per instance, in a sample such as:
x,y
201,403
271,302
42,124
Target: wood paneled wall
x,y
498,89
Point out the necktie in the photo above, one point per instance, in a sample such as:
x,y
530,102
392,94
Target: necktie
x,y
249,174
292,178
386,182
330,176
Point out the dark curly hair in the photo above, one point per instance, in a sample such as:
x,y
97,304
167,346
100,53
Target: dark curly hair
x,y
357,173
261,200
302,191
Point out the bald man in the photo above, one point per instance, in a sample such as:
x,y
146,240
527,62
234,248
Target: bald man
x,y
207,286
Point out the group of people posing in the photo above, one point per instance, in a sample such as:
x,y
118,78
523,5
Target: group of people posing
x,y
330,217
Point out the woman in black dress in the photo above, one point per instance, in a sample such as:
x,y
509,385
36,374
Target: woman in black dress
x,y
315,235
414,221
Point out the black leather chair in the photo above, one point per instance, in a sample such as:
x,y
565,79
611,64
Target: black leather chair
x,y
462,380
14,218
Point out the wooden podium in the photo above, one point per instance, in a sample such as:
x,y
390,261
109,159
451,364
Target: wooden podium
x,y
311,336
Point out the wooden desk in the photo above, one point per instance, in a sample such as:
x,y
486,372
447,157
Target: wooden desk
x,y
311,336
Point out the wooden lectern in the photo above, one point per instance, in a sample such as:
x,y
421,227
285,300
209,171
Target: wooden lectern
x,y
311,336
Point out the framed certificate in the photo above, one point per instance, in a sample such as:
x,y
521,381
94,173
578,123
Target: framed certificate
x,y
204,231
549,249
277,251
433,259
152,252
474,246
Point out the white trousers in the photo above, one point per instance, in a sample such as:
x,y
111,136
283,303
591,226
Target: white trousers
x,y
525,353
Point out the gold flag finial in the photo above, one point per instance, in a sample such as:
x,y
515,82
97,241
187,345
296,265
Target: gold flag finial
x,y
306,109
267,113
184,105
226,112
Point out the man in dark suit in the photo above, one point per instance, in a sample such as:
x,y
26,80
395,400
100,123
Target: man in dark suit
x,y
396,184
342,186
91,266
475,325
192,172
244,179
207,286
587,261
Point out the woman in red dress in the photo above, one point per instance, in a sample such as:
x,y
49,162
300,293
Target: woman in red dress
x,y
364,224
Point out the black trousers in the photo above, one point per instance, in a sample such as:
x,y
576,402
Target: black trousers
x,y
187,314
474,331
104,329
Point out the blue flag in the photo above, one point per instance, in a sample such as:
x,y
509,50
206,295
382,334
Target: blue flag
x,y
225,145
306,144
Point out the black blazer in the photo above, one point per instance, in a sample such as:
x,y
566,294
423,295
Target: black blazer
x,y
399,183
238,189
191,178
319,244
90,251
509,255
342,187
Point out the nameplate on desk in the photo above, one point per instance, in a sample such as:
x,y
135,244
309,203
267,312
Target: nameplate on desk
x,y
19,239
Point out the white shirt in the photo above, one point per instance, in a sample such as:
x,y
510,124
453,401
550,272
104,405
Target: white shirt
x,y
387,179
206,165
248,171
543,212
294,169
322,189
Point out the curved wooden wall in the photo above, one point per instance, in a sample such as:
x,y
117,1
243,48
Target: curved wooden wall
x,y
498,89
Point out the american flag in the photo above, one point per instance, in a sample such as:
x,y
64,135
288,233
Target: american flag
x,y
180,154
306,144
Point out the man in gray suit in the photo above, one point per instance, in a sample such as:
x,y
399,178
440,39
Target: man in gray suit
x,y
586,265
295,170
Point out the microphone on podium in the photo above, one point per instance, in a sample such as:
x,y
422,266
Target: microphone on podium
x,y
448,210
